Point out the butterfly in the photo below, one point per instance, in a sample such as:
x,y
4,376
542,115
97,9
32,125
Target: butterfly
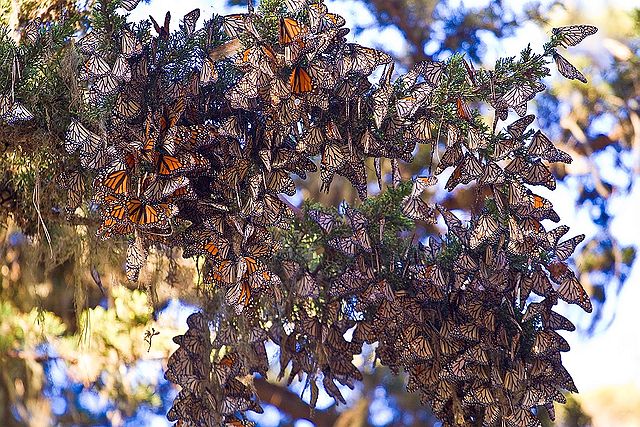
x,y
567,69
31,31
564,250
573,34
130,46
117,178
96,66
431,71
517,128
416,208
542,147
13,111
361,60
90,43
143,213
129,5
463,110
208,72
289,31
136,257
326,221
189,21
238,296
300,81
121,69
163,31
486,228
234,24
572,292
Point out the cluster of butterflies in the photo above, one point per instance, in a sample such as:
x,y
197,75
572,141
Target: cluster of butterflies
x,y
455,315
211,392
196,143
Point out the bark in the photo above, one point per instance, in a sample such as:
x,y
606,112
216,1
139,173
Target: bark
x,y
292,405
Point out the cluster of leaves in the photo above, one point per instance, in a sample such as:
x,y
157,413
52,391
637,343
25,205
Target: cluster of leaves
x,y
191,137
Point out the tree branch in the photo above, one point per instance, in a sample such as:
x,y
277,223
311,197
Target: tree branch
x,y
291,404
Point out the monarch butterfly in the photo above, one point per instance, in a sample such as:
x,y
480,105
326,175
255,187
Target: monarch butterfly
x,y
189,21
548,341
179,365
117,181
325,220
492,174
122,69
106,85
451,157
380,99
96,66
521,418
465,262
573,34
130,46
567,69
142,213
563,250
98,159
208,73
517,95
235,422
306,286
300,81
79,137
504,147
416,208
421,348
136,257
167,165
539,174
31,31
517,128
294,6
321,21
163,32
463,110
129,5
421,183
126,107
553,237
572,292
542,147
289,31
15,113
361,60
431,71
452,222
234,24
486,228
90,43
238,296
333,156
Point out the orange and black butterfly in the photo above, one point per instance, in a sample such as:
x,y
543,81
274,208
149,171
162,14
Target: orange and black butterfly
x,y
463,109
141,213
167,165
300,81
290,31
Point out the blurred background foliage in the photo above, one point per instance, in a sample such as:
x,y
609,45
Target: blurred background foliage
x,y
79,347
